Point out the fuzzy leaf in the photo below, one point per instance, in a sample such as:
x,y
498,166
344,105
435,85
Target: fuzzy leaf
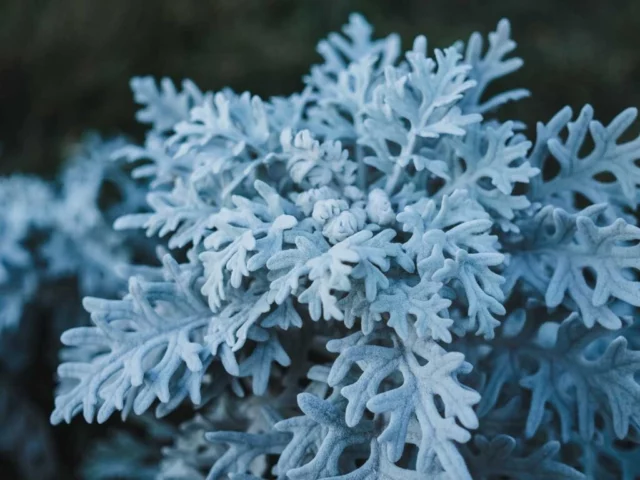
x,y
149,348
570,259
411,401
584,174
485,69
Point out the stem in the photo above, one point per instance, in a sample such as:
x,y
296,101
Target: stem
x,y
362,169
424,112
392,180
359,150
241,177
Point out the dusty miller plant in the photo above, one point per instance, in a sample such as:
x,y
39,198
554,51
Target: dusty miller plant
x,y
56,245
375,278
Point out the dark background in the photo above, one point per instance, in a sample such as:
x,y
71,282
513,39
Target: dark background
x,y
65,67
65,64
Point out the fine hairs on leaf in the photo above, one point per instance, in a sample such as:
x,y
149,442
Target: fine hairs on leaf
x,y
378,277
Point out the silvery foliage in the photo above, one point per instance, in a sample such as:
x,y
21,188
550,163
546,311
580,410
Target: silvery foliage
x,y
460,298
52,231
56,245
19,195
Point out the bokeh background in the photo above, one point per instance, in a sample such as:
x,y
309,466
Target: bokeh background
x,y
65,64
65,67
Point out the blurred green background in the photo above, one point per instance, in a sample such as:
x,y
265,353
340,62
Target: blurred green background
x,y
65,64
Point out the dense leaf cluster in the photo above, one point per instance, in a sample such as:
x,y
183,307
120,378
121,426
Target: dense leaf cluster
x,y
374,278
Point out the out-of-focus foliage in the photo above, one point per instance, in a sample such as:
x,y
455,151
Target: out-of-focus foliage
x,y
57,245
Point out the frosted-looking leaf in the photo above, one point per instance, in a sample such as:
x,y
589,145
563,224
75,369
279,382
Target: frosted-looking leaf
x,y
607,173
164,107
489,162
500,457
413,400
580,373
570,259
149,346
451,245
493,65
411,108
339,51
